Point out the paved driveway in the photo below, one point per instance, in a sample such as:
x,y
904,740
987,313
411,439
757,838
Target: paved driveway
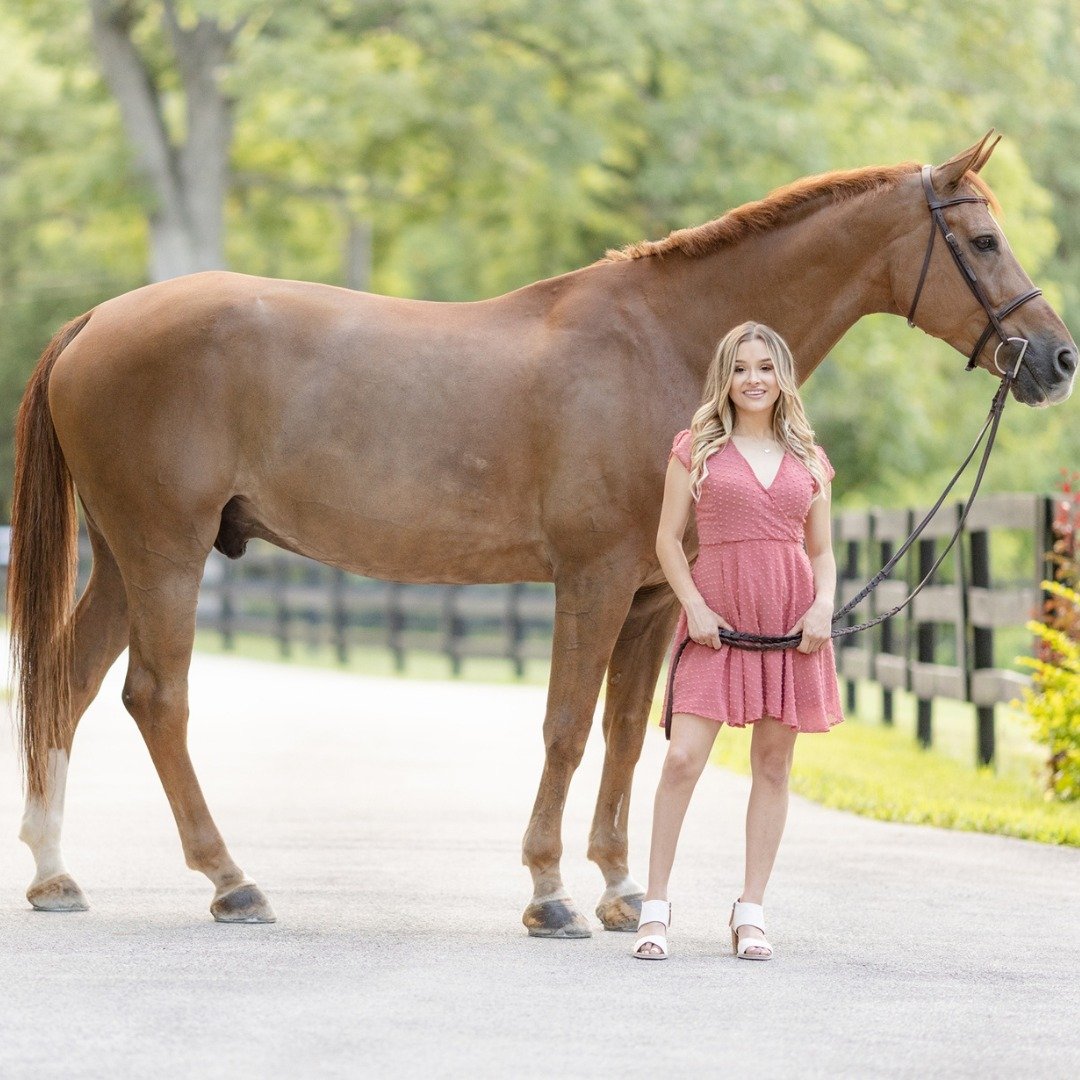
x,y
384,820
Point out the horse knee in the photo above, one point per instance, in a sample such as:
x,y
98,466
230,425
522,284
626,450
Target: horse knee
x,y
147,697
565,739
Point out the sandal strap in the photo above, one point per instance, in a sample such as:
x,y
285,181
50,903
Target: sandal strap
x,y
651,939
655,911
747,914
753,942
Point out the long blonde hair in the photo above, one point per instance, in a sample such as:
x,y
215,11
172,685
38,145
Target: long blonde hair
x,y
713,424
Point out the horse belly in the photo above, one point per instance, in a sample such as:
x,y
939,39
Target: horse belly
x,y
397,535
408,489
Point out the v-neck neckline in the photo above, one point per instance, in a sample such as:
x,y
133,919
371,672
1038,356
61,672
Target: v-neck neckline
x,y
776,475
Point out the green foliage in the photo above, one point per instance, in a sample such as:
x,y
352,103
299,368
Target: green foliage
x,y
1054,704
882,773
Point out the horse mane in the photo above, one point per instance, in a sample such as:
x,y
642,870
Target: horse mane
x,y
778,207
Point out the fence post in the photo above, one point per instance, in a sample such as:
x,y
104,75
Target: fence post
x,y
453,629
279,571
850,573
395,622
228,608
887,643
926,635
515,628
339,618
983,644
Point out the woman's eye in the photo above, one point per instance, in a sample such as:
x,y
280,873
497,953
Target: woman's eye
x,y
985,243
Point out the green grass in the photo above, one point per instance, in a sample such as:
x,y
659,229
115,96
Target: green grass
x,y
881,772
861,765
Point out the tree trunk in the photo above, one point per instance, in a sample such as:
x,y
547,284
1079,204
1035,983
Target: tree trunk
x,y
188,180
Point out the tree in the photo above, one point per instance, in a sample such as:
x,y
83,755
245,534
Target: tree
x,y
187,176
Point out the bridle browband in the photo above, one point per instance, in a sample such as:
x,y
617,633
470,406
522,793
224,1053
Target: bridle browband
x,y
938,224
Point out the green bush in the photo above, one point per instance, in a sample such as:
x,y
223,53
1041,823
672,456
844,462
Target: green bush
x,y
1054,706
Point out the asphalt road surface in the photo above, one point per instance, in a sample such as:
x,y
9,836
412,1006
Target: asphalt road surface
x,y
384,818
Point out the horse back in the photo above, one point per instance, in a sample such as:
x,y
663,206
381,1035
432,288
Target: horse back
x,y
398,438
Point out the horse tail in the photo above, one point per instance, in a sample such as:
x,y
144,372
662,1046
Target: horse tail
x,y
41,573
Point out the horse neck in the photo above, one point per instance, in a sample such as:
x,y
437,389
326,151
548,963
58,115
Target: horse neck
x,y
811,280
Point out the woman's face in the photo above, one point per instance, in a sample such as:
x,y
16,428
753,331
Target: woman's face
x,y
754,388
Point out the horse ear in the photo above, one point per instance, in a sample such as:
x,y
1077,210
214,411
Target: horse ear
x,y
988,149
948,175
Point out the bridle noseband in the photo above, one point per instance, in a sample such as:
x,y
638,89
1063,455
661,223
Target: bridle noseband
x,y
938,224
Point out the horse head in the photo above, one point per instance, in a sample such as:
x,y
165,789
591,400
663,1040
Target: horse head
x,y
939,288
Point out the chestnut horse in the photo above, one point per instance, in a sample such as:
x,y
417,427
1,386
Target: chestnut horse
x,y
521,438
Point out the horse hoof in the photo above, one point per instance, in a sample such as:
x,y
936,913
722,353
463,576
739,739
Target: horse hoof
x,y
243,904
556,919
620,912
60,893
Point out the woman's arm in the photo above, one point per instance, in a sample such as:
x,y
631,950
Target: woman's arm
x,y
702,621
816,623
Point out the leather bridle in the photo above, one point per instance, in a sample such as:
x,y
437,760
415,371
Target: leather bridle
x,y
938,224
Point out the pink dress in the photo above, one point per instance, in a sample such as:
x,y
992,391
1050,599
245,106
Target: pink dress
x,y
753,571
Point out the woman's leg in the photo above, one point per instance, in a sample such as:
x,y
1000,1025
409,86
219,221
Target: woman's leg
x,y
692,738
772,747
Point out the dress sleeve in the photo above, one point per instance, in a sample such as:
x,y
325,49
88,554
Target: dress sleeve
x,y
830,472
680,448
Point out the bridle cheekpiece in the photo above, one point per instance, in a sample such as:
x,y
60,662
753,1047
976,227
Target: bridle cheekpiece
x,y
939,224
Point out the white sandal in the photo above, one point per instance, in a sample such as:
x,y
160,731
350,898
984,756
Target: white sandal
x,y
746,914
653,911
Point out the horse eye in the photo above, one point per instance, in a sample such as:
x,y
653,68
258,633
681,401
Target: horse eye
x,y
985,243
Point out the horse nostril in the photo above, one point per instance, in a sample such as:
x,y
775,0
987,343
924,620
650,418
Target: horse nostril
x,y
1065,361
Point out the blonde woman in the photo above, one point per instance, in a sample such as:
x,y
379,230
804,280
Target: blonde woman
x,y
760,489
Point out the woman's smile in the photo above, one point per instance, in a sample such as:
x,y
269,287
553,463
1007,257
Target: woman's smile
x,y
754,386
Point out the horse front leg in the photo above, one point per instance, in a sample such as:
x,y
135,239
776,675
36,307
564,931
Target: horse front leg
x,y
631,685
588,613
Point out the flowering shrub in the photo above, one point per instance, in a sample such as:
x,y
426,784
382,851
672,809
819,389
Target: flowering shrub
x,y
1054,706
1065,556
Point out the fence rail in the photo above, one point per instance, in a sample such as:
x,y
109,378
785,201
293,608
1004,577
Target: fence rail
x,y
275,594
957,639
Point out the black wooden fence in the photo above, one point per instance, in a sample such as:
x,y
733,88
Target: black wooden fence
x,y
957,639
272,593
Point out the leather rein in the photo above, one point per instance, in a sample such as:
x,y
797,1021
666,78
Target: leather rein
x,y
994,326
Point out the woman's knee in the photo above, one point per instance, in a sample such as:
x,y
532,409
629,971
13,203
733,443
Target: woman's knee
x,y
770,760
682,766
773,766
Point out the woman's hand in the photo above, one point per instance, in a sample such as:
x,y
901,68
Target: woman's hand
x,y
702,623
815,626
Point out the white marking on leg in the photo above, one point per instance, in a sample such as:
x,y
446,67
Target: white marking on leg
x,y
626,886
44,818
556,894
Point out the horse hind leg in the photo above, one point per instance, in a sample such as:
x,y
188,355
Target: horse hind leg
x,y
164,584
631,684
101,631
